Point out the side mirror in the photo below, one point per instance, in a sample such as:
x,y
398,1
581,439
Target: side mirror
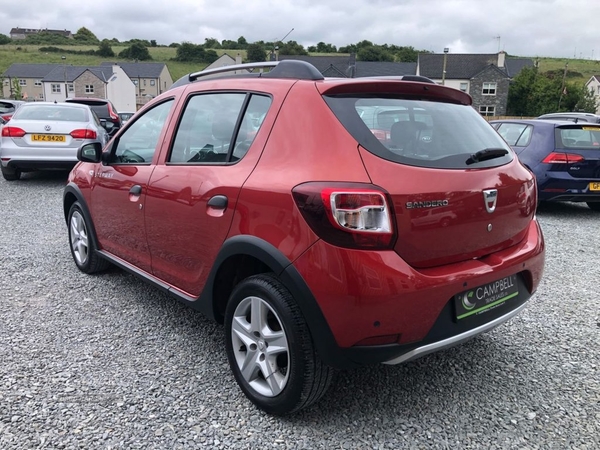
x,y
91,153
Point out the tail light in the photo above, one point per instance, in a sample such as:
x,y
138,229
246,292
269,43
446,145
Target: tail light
x,y
562,158
13,132
350,215
84,134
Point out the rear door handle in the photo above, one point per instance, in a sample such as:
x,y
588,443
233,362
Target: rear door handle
x,y
218,202
136,190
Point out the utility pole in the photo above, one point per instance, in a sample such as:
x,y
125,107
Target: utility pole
x,y
446,50
563,88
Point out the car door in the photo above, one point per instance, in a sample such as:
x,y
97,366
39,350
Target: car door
x,y
118,190
192,197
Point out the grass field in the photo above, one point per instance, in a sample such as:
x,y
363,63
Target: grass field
x,y
581,69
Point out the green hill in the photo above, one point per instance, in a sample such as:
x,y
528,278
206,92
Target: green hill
x,y
579,69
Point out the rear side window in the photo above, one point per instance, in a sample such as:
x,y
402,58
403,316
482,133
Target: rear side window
x,y
420,132
515,134
578,137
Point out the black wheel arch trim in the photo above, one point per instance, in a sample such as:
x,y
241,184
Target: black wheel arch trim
x,y
279,264
73,189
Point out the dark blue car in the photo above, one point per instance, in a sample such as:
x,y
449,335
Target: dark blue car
x,y
564,156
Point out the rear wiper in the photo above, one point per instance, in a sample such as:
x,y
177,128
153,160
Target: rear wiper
x,y
485,154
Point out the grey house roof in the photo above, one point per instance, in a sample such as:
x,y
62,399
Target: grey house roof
x,y
68,74
466,66
29,70
380,68
340,66
139,69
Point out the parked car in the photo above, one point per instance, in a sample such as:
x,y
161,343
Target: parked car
x,y
104,109
44,135
301,233
125,116
564,156
8,107
572,116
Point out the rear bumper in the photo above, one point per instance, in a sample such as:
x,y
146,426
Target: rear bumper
x,y
380,310
562,187
32,164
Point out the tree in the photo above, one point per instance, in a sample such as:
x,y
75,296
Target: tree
x,y
322,47
256,53
188,52
532,94
374,53
85,36
242,43
4,39
16,89
105,50
292,48
153,43
211,43
137,51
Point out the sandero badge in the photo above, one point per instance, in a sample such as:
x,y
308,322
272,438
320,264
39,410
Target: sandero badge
x,y
485,298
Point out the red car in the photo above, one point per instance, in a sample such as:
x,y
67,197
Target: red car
x,y
300,212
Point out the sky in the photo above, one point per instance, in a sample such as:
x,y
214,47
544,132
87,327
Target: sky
x,y
532,28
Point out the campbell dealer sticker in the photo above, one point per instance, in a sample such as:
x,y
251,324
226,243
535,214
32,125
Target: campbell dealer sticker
x,y
484,298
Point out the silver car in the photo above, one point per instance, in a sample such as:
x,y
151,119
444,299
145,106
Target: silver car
x,y
44,135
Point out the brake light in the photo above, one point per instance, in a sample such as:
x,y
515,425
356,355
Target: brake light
x,y
84,134
348,215
13,132
562,158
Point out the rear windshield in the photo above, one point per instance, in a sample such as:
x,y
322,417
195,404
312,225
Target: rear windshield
x,y
581,137
421,132
101,111
51,112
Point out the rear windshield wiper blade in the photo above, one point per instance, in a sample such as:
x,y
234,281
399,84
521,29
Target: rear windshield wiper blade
x,y
485,154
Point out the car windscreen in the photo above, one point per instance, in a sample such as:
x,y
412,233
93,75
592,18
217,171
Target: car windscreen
x,y
421,133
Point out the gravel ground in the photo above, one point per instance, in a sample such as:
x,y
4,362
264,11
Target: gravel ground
x,y
107,362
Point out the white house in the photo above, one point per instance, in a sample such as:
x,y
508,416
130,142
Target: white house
x,y
594,86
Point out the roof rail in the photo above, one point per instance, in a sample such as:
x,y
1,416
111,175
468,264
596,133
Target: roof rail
x,y
288,68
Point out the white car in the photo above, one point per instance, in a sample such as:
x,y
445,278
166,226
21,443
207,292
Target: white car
x,y
45,135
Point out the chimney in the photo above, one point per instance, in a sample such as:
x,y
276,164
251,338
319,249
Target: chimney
x,y
238,59
501,58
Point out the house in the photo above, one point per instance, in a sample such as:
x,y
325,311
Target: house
x,y
150,79
109,82
22,33
29,77
56,82
593,85
486,77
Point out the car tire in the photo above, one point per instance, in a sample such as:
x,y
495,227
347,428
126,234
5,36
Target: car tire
x,y
82,244
270,348
10,174
594,206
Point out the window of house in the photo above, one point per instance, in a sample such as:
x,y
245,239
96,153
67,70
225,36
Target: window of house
x,y
464,87
599,90
89,88
487,110
152,82
489,89
144,82
135,82
22,82
37,83
6,83
71,88
55,88
41,96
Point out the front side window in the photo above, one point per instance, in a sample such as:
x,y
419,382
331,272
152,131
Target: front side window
x,y
139,142
489,89
487,111
89,88
208,127
55,88
420,133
